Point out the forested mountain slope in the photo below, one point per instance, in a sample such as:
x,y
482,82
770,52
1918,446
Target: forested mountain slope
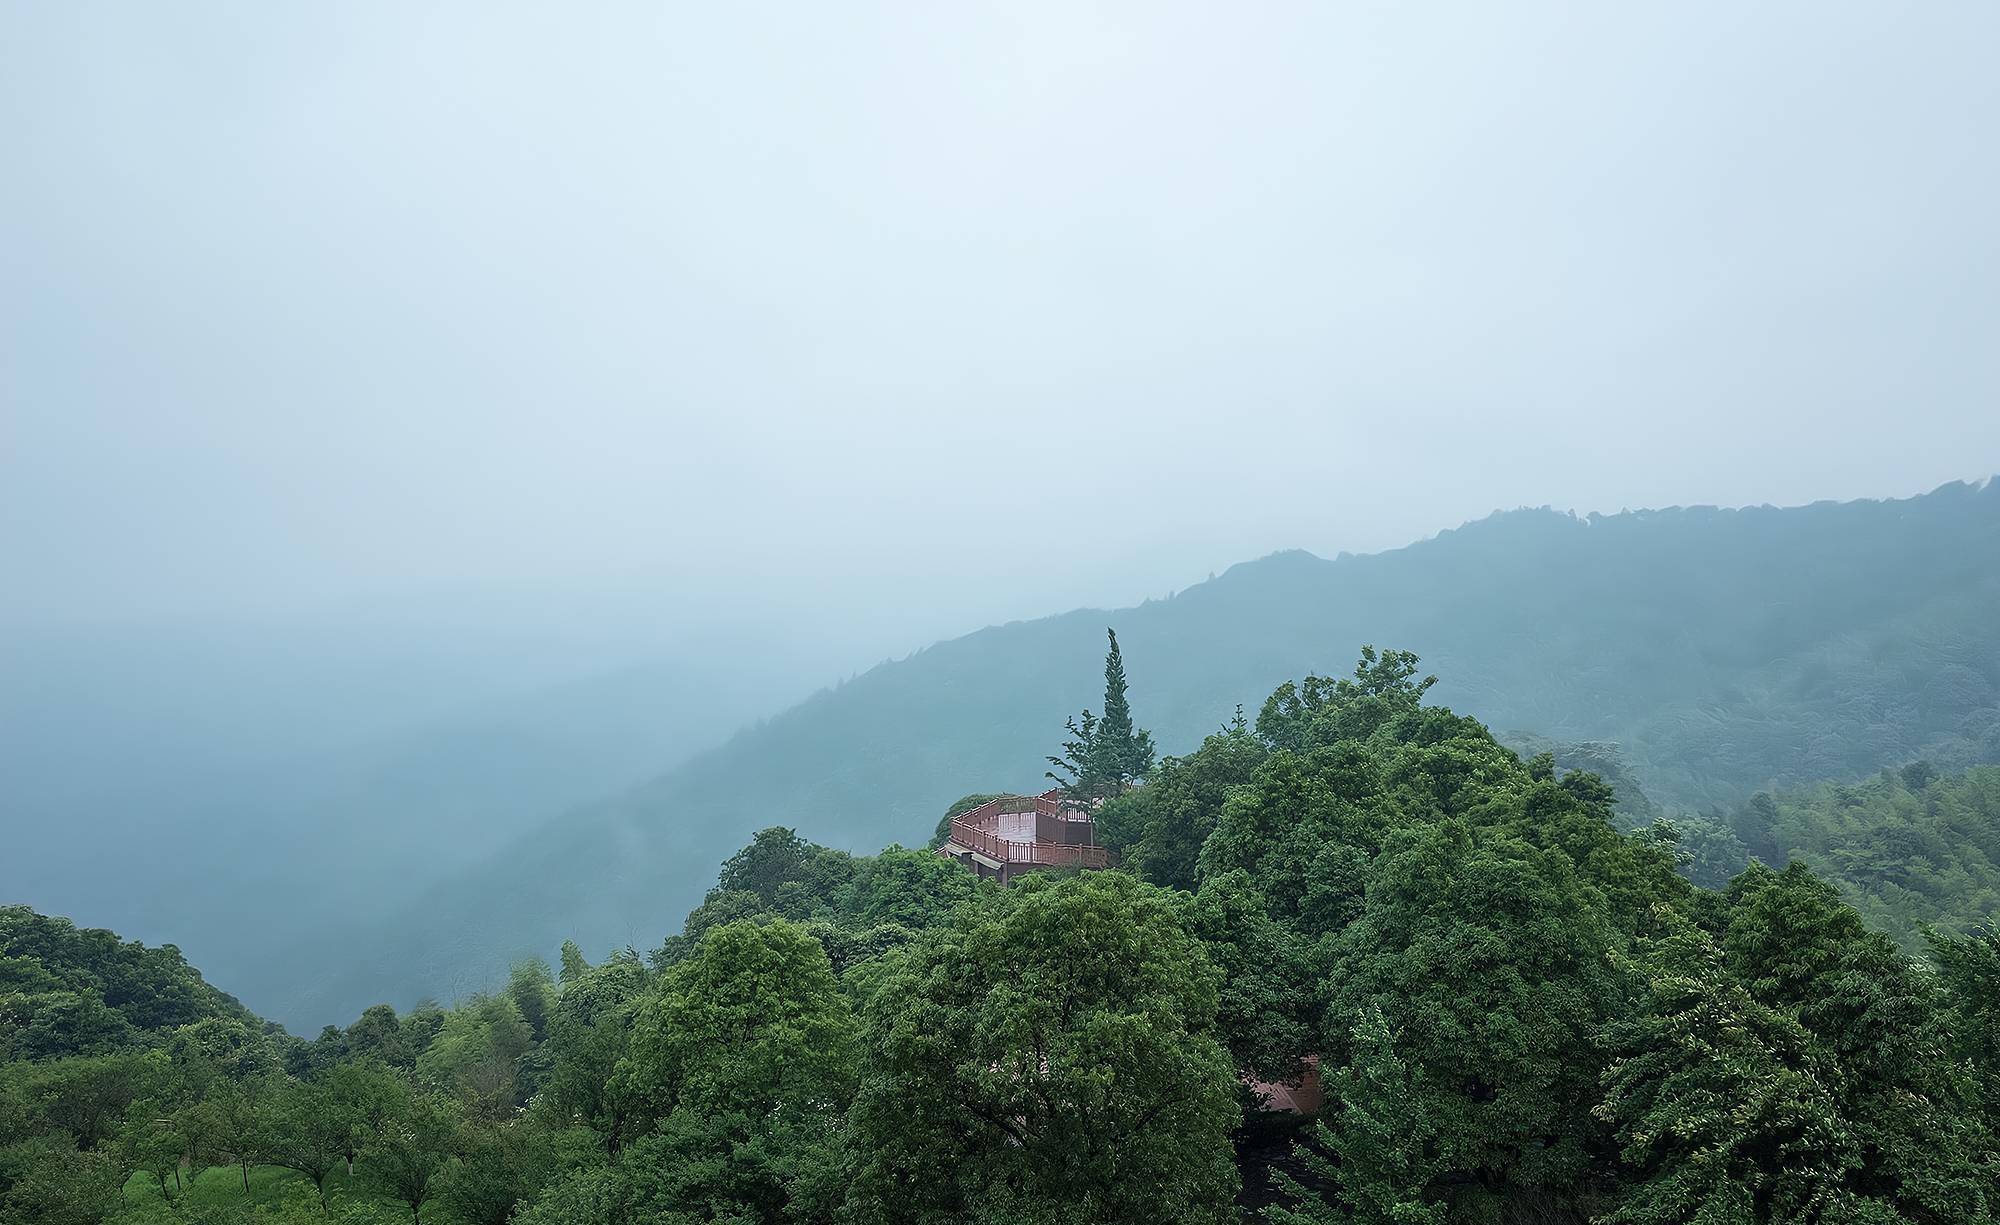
x,y
1517,1012
1724,650
1910,848
66,990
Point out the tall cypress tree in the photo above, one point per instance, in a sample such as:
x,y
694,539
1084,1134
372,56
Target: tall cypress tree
x,y
1108,752
1121,752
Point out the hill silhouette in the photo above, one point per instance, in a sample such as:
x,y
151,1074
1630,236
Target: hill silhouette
x,y
1722,651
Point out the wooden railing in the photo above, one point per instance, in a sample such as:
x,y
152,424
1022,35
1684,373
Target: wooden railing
x,y
1006,850
1040,805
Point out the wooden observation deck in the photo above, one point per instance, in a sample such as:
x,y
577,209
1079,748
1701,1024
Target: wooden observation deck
x,y
1002,838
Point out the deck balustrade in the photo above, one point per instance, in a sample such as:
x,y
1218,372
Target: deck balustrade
x,y
1050,823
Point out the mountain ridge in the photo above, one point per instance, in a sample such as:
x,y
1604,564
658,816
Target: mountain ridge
x,y
1707,641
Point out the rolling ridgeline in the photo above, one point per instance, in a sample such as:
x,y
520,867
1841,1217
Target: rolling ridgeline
x,y
1724,652
1520,1015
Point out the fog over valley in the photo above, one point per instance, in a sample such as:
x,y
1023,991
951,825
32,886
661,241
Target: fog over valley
x,y
362,408
887,614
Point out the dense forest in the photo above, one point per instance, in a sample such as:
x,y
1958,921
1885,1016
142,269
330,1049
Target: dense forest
x,y
1723,653
1910,848
1519,1006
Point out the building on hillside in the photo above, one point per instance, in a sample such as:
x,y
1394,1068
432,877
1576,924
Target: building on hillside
x,y
1303,1096
1003,838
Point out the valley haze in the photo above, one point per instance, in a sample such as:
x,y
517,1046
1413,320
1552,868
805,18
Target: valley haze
x,y
533,825
886,614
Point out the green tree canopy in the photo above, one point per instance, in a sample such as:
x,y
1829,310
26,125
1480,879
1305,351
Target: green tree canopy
x,y
1493,956
1375,1148
1721,1103
745,1056
1049,1054
1159,828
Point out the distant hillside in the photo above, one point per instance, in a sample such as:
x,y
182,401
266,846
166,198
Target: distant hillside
x,y
1910,848
1724,651
241,843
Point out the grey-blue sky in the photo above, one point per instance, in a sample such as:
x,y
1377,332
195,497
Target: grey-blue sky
x,y
907,305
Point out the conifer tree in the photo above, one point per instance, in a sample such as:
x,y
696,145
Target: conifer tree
x,y
1075,768
1375,1151
1123,752
1106,753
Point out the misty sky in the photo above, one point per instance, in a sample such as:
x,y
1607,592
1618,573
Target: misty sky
x,y
305,305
